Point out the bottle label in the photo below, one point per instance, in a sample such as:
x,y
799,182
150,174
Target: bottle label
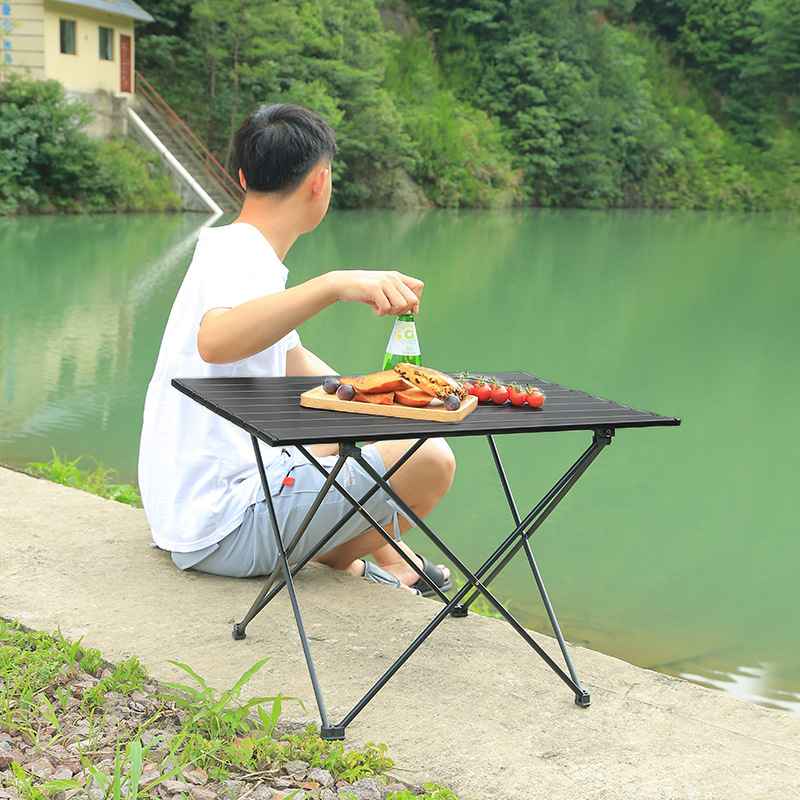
x,y
403,341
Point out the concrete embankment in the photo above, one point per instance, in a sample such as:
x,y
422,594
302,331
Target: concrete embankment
x,y
474,707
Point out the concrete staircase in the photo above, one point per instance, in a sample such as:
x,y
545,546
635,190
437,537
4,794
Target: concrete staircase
x,y
216,187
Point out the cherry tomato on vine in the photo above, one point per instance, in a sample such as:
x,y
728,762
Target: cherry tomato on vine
x,y
534,397
482,391
499,394
515,395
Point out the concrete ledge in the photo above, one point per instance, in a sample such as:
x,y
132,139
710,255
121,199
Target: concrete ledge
x,y
474,708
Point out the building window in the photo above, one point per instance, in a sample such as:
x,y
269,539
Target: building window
x,y
67,36
106,43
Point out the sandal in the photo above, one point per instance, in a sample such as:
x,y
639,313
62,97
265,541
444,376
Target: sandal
x,y
376,574
433,577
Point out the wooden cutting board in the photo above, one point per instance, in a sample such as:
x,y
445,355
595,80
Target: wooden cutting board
x,y
318,398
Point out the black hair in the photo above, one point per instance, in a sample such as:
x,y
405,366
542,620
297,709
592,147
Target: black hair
x,y
278,145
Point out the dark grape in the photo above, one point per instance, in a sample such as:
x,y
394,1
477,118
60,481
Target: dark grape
x,y
345,392
452,402
330,385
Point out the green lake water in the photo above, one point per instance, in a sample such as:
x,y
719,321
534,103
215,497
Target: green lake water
x,y
679,548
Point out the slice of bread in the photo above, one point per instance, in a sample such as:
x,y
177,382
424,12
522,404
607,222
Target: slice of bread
x,y
413,397
435,383
379,398
386,381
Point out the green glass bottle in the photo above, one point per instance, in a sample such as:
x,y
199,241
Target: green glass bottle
x,y
403,343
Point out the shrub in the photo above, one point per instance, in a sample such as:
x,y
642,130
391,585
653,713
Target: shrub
x,y
49,164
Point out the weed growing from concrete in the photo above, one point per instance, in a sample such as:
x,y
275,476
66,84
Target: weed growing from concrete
x,y
99,480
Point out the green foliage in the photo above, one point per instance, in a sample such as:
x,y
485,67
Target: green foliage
x,y
433,791
212,714
472,103
570,91
220,732
133,178
744,55
31,663
45,159
49,164
98,480
350,766
488,103
125,678
35,667
458,155
600,116
333,56
27,786
234,56
701,164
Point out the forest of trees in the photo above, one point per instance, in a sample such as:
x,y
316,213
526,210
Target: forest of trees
x,y
491,103
689,104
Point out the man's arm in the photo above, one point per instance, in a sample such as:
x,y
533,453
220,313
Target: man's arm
x,y
232,334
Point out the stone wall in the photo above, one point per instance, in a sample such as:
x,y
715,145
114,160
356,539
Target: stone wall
x,y
109,112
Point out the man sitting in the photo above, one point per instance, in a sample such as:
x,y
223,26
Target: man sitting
x,y
234,317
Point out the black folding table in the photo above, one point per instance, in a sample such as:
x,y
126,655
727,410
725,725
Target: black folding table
x,y
269,410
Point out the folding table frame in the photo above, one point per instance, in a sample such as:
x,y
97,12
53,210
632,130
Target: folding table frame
x,y
269,410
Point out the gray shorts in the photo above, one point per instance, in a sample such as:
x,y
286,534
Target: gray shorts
x,y
250,549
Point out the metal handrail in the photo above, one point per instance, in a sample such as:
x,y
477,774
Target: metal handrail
x,y
178,126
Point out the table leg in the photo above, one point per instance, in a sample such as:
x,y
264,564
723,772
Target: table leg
x,y
519,538
474,581
551,499
327,731
381,482
271,588
287,575
602,438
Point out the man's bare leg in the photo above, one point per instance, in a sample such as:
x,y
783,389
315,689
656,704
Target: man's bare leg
x,y
421,482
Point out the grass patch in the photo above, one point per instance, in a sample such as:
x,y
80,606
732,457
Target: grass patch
x,y
96,479
125,736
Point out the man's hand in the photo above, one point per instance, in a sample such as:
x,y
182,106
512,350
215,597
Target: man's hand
x,y
388,292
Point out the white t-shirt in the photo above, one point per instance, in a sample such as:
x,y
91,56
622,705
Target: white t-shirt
x,y
197,471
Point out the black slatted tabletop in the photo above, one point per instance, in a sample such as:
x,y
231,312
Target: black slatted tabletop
x,y
269,408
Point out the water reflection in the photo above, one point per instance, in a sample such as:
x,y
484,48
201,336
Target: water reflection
x,y
767,684
71,306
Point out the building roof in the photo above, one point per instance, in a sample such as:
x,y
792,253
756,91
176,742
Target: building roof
x,y
125,8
